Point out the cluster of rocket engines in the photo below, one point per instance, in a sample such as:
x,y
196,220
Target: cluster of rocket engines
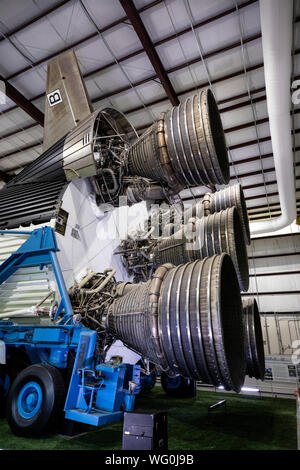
x,y
183,311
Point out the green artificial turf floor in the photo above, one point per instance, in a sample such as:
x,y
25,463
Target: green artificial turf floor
x,y
248,422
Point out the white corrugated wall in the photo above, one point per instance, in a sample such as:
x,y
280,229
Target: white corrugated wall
x,y
27,286
274,265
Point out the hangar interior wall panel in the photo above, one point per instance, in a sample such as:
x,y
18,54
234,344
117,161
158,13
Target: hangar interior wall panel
x,y
274,267
282,379
274,273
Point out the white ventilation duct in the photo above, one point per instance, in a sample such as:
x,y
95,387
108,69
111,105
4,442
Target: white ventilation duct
x,y
277,26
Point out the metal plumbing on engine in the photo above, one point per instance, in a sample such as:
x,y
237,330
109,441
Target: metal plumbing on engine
x,y
187,320
215,225
186,147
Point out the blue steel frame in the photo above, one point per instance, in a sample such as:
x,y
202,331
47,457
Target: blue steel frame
x,y
98,392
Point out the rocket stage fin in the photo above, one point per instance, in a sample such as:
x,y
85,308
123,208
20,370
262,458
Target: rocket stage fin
x,y
67,102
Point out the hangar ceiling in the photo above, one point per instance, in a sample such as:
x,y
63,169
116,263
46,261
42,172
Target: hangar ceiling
x,y
140,61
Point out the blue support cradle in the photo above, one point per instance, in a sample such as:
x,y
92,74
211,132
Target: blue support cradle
x,y
98,392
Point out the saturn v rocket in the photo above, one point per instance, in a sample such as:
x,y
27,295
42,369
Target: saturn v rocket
x,y
187,318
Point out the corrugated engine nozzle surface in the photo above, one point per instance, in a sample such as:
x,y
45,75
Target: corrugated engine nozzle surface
x,y
255,355
194,141
188,320
221,232
231,196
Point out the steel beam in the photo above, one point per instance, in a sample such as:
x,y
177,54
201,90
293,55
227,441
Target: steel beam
x,y
266,210
21,149
238,162
221,110
279,292
182,66
17,131
198,197
5,176
277,273
139,51
150,50
22,102
85,39
263,207
153,77
27,106
186,91
239,127
139,108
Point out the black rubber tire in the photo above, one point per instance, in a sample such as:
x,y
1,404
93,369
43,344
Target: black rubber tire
x,y
3,395
147,382
16,362
53,395
186,388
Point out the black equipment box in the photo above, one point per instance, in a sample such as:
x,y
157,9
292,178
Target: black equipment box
x,y
145,430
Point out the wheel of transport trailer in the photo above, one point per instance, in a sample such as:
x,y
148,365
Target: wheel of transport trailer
x,y
178,387
147,382
35,400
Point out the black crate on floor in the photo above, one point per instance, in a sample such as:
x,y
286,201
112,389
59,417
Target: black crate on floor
x,y
145,430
